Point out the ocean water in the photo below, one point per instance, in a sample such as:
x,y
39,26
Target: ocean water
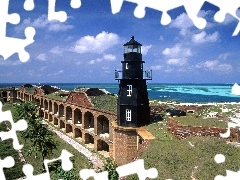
x,y
180,92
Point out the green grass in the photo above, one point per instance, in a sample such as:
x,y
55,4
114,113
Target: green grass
x,y
175,159
6,149
30,89
55,96
106,102
79,161
209,122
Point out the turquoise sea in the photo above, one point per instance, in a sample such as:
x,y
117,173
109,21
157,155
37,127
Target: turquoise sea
x,y
179,92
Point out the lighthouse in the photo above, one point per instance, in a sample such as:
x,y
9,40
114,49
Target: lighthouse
x,y
133,104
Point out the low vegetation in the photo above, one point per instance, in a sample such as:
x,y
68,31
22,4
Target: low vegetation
x,y
106,102
194,121
194,156
35,159
56,96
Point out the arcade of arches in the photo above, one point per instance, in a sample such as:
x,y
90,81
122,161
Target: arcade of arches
x,y
87,125
96,128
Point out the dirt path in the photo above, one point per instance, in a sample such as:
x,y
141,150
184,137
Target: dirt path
x,y
95,160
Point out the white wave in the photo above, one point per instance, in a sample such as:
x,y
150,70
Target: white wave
x,y
236,89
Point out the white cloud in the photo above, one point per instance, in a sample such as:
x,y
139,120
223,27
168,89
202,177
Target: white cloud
x,y
56,50
224,56
177,51
105,68
43,68
177,62
182,22
215,65
202,37
78,63
42,57
156,67
91,62
109,57
95,61
161,38
43,22
56,73
145,49
98,44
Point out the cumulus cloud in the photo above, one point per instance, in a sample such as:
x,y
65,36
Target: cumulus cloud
x,y
42,57
106,57
215,65
182,22
145,49
177,62
203,37
156,67
56,50
109,57
177,51
43,22
98,44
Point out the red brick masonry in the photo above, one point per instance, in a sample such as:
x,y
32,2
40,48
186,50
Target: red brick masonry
x,y
181,131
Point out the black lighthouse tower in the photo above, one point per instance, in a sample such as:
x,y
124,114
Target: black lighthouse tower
x,y
133,104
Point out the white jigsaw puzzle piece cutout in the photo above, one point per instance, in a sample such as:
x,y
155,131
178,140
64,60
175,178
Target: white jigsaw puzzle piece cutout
x,y
9,45
227,7
227,133
21,125
66,164
29,5
192,8
60,15
136,167
7,162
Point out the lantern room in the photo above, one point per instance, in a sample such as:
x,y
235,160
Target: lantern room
x,y
132,46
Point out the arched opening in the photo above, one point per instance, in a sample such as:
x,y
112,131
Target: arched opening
x,y
45,105
50,118
4,95
55,109
102,125
41,104
103,148
46,116
26,97
78,134
88,121
55,122
69,130
62,125
69,114
50,106
61,111
89,140
77,117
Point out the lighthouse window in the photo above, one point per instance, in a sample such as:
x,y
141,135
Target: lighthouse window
x,y
129,90
128,114
126,65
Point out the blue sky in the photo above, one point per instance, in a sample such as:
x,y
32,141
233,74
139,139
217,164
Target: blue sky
x,y
88,46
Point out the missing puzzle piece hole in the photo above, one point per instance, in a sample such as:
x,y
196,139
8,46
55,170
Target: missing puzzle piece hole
x,y
28,170
75,4
29,5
